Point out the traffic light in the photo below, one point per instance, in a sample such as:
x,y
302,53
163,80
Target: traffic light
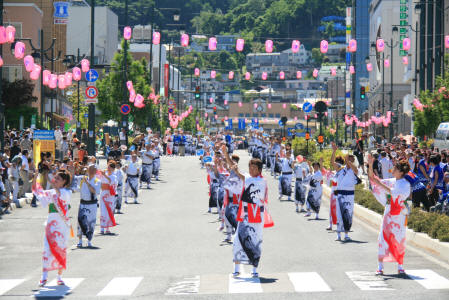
x,y
197,93
215,110
362,93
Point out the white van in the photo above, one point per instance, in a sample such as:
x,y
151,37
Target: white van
x,y
441,140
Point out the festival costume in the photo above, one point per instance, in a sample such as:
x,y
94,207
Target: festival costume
x,y
392,235
87,212
346,181
156,163
285,180
233,186
315,191
119,190
147,166
132,181
300,188
107,202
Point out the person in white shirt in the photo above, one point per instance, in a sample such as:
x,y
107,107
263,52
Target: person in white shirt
x,y
387,166
24,175
285,180
315,191
89,188
301,170
119,191
13,177
147,157
122,137
132,171
157,160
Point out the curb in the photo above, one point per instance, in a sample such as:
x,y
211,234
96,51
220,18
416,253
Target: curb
x,y
417,239
22,201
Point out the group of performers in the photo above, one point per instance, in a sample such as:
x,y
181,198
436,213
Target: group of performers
x,y
98,188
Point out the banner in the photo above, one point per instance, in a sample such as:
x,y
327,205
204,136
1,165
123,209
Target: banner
x,y
43,141
166,79
242,124
229,127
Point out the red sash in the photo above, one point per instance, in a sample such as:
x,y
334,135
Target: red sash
x,y
110,212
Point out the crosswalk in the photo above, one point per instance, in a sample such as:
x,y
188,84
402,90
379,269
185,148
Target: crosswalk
x,y
291,282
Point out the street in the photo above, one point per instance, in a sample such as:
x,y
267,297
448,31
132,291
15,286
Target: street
x,y
168,246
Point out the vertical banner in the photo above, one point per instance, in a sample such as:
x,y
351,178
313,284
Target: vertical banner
x,y
166,82
242,124
255,123
43,141
348,61
230,124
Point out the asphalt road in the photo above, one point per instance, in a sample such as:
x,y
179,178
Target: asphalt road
x,y
168,247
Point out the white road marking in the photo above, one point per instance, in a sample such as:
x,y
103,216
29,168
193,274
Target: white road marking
x,y
52,289
368,281
428,279
8,284
308,282
244,284
120,286
187,286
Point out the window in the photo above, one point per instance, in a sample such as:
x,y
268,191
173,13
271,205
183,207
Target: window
x,y
255,115
270,115
278,115
241,115
247,115
12,73
263,115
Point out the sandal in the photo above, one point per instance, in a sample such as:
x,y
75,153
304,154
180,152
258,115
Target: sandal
x,y
42,283
255,275
60,282
235,274
401,272
380,272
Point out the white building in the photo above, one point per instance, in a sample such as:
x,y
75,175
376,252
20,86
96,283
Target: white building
x,y
106,32
301,58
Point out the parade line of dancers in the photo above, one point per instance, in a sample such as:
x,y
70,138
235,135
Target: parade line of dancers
x,y
242,199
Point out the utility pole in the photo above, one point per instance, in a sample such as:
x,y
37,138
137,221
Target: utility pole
x,y
2,105
91,114
383,92
78,123
391,87
124,124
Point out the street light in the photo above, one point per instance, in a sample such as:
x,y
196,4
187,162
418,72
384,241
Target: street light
x,y
391,45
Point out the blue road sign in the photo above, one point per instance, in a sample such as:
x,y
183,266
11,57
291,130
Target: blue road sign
x,y
300,134
207,159
200,152
289,131
125,109
171,110
91,75
299,126
307,107
86,115
61,10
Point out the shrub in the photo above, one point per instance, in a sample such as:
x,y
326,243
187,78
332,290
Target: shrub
x,y
326,155
365,198
299,146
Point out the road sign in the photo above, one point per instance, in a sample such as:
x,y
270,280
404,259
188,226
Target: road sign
x,y
125,109
91,75
86,115
91,92
88,101
200,152
171,110
207,159
307,107
299,126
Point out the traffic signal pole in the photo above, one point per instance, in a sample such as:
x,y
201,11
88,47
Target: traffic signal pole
x,y
91,114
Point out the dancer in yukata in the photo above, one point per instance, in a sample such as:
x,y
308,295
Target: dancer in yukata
x,y
301,171
347,179
315,191
147,165
89,188
132,170
285,180
392,193
58,227
107,198
252,217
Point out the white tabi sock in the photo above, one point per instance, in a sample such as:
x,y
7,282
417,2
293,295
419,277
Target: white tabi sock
x,y
346,235
44,275
254,270
58,277
236,268
338,235
381,266
400,267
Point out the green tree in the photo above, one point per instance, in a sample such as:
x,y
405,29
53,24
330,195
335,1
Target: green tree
x,y
112,91
17,97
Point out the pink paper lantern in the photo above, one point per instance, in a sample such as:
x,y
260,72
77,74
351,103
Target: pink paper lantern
x,y
34,75
247,76
333,72
53,81
325,113
1,61
129,85
239,45
255,105
212,43
3,38
211,100
127,32
132,95
352,47
295,46
85,65
380,45
61,82
156,38
197,72
324,46
315,73
405,60
296,118
46,77
10,34
76,72
315,116
351,69
298,74
284,105
446,41
369,67
268,46
184,40
28,61
240,104
406,44
19,50
205,115
281,75
269,105
226,118
216,117
68,78
264,75
225,102
213,74
231,75
386,63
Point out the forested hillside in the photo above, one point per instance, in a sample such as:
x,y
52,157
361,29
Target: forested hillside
x,y
251,18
